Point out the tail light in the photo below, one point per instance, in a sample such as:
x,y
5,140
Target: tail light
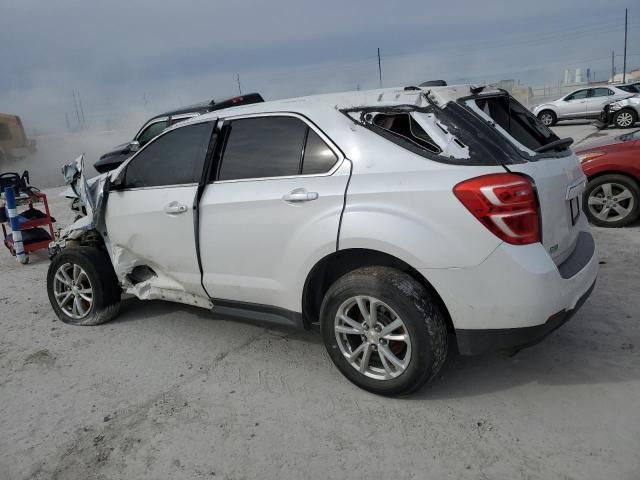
x,y
505,203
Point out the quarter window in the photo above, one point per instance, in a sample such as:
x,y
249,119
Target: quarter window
x,y
175,158
318,157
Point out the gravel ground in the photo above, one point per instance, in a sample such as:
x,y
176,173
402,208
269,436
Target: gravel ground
x,y
172,392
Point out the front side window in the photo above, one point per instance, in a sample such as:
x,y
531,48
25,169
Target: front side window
x,y
151,131
578,95
263,147
175,158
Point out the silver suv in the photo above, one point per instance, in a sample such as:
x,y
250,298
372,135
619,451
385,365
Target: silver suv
x,y
396,220
579,104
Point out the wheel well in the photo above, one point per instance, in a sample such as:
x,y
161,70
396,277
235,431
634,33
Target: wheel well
x,y
546,109
339,263
615,172
631,110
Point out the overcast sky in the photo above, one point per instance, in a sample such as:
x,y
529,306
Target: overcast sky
x,y
124,55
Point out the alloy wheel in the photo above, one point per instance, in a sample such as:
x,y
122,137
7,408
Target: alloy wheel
x,y
73,291
546,119
372,337
624,119
611,202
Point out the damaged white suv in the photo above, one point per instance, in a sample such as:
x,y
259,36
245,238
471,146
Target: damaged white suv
x,y
401,221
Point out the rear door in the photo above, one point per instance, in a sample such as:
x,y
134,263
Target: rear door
x,y
558,176
598,98
150,218
274,203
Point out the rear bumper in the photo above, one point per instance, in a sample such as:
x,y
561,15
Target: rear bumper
x,y
517,296
476,342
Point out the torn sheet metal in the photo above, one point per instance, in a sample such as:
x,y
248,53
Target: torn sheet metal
x,y
92,194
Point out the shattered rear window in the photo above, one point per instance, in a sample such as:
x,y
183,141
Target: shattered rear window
x,y
418,131
518,122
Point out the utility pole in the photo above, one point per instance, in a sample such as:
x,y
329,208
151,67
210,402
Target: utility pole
x,y
239,87
75,104
624,62
81,109
613,64
379,68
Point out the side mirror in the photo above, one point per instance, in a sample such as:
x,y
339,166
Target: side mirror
x,y
134,146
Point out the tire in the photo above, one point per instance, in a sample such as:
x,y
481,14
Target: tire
x,y
548,118
95,280
399,297
625,118
621,211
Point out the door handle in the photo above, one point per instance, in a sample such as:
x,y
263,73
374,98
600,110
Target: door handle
x,y
300,195
175,207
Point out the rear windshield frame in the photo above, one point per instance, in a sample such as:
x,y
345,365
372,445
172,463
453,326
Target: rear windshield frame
x,y
514,146
487,145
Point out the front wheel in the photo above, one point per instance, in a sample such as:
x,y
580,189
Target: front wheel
x,y
625,118
612,201
383,330
82,286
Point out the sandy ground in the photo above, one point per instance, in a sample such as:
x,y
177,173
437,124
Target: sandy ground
x,y
172,392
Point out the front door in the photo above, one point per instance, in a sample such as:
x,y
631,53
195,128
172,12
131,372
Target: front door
x,y
272,209
576,104
150,217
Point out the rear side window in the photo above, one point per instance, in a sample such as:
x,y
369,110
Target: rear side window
x,y
175,158
517,121
629,88
273,146
601,92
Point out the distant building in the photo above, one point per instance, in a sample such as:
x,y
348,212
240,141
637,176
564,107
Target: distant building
x,y
632,76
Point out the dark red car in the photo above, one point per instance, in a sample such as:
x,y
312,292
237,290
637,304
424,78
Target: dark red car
x,y
612,197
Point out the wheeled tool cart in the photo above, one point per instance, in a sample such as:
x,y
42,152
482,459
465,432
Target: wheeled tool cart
x,y
27,224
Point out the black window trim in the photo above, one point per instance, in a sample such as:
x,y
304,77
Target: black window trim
x,y
122,175
309,124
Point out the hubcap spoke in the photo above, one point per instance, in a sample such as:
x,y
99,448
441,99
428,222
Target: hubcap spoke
x,y
348,330
384,351
364,311
620,210
596,200
365,358
352,322
397,323
624,195
606,189
604,213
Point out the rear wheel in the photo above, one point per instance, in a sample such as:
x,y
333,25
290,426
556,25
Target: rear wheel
x,y
612,201
548,118
625,118
82,286
383,330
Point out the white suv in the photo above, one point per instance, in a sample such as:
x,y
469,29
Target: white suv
x,y
398,220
